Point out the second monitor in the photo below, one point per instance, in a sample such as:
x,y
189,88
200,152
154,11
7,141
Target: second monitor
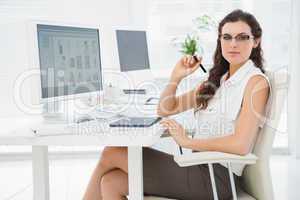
x,y
134,59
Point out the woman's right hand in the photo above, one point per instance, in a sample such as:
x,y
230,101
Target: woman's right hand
x,y
184,67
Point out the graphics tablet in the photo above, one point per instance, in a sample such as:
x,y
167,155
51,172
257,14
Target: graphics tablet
x,y
135,122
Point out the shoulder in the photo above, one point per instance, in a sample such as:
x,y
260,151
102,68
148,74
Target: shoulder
x,y
258,87
259,81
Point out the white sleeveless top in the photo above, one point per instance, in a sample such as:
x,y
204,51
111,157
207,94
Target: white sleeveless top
x,y
219,118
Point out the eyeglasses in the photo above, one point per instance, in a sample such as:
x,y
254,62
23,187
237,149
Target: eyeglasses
x,y
240,38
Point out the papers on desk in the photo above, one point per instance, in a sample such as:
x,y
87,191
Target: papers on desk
x,y
140,111
129,110
134,99
104,114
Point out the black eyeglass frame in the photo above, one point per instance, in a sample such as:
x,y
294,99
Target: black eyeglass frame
x,y
241,37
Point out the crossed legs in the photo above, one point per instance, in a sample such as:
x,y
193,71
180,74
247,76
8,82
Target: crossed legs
x,y
109,180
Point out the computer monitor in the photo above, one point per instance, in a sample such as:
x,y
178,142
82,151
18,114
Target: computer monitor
x,y
69,60
38,63
133,50
134,59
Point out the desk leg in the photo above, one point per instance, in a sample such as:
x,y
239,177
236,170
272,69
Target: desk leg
x,y
40,167
135,173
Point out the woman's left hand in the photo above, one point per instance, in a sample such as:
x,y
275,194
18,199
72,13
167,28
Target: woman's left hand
x,y
176,131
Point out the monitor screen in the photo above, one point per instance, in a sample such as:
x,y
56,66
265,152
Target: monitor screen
x,y
133,50
69,60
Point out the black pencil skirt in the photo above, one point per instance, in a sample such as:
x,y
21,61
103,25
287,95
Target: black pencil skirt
x,y
164,178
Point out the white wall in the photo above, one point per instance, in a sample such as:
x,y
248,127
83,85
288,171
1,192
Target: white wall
x,y
13,51
138,13
263,12
294,70
88,11
104,13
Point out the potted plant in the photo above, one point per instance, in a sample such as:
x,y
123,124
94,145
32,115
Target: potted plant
x,y
191,44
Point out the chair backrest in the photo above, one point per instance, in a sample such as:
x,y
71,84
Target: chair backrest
x,y
257,178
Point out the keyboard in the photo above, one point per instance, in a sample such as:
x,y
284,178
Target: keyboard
x,y
134,91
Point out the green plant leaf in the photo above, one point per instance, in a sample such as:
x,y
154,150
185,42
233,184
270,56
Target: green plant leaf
x,y
189,46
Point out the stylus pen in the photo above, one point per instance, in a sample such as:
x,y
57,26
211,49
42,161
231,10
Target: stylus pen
x,y
180,149
197,60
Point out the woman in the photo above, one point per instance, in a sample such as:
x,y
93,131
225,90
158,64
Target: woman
x,y
228,108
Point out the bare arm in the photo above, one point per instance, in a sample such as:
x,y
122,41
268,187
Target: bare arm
x,y
247,125
169,103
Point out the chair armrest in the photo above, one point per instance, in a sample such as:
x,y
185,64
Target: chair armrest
x,y
207,157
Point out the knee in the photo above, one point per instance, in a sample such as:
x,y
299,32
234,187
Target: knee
x,y
107,182
110,185
108,155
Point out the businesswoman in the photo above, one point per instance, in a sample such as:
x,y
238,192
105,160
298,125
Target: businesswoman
x,y
228,107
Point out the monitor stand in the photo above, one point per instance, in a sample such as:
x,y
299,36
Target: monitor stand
x,y
139,82
69,111
54,112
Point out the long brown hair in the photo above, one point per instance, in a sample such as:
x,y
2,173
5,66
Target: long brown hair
x,y
207,89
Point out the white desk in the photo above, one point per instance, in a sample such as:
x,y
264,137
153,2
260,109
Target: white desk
x,y
16,132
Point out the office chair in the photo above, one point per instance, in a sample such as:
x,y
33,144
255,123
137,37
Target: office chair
x,y
257,183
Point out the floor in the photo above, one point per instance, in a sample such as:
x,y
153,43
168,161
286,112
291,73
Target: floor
x,y
69,177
